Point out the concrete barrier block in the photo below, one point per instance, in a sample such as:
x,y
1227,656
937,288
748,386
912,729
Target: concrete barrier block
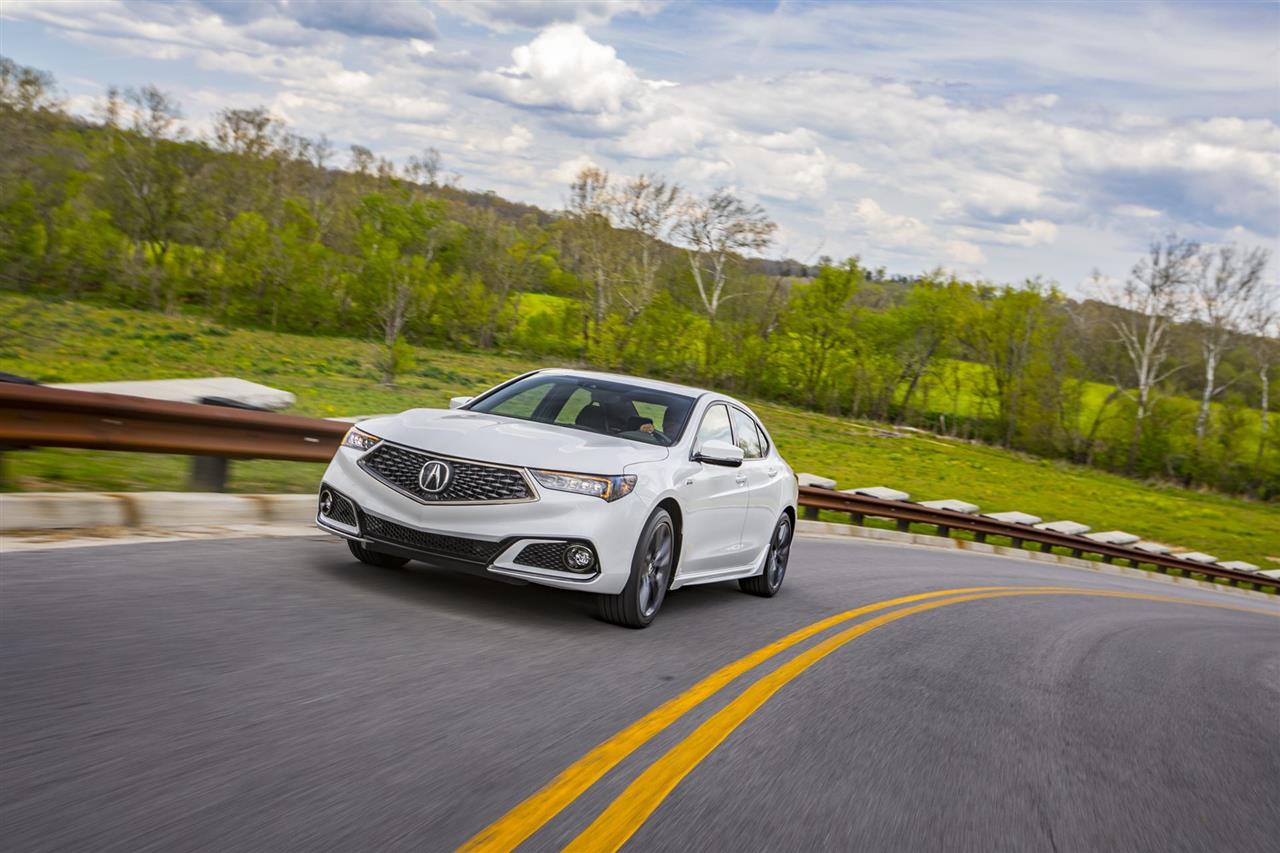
x,y
1198,557
1274,574
1113,537
59,510
815,481
884,493
193,390
191,509
1239,566
1070,528
1014,517
1152,547
952,504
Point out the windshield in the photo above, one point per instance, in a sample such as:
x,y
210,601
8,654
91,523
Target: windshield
x,y
594,405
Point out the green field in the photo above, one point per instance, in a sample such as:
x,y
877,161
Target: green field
x,y
72,342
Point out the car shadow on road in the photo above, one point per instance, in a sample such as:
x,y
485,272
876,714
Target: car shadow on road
x,y
486,597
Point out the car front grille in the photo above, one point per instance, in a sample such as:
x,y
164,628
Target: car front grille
x,y
458,547
470,482
543,555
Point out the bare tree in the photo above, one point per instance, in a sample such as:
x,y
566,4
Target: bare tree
x,y
424,170
1262,324
645,209
591,205
1152,300
149,172
248,132
362,160
716,230
1224,291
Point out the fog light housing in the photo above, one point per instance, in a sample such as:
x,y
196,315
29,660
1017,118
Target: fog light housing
x,y
326,502
578,558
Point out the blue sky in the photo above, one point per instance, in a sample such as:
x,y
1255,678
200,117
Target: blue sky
x,y
1001,140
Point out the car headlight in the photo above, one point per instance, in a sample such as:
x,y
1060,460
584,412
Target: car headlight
x,y
358,439
596,485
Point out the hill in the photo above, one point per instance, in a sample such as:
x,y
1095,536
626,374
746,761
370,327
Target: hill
x,y
68,341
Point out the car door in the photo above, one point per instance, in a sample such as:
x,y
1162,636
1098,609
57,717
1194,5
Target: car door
x,y
714,501
762,474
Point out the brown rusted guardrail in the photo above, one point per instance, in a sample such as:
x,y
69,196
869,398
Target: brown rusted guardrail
x,y
37,416
905,513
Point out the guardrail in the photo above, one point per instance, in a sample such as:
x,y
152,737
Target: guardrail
x,y
38,416
905,513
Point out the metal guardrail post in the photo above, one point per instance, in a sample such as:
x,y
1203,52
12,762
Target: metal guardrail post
x,y
210,473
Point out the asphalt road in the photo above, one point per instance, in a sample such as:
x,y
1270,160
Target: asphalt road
x,y
274,695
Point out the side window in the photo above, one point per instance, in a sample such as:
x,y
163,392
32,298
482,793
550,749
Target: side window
x,y
577,401
764,440
715,425
746,434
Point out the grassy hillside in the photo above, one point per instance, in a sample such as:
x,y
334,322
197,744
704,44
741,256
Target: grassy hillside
x,y
71,342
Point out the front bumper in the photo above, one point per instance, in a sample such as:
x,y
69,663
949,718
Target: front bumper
x,y
493,539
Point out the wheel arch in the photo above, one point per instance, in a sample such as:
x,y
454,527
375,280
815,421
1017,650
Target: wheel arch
x,y
672,506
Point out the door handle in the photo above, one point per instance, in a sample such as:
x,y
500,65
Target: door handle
x,y
741,479
773,472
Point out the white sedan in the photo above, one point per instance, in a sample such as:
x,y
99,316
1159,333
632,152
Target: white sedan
x,y
622,487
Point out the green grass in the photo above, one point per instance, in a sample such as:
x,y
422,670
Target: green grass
x,y
72,342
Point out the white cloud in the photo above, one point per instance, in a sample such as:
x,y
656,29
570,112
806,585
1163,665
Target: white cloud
x,y
568,170
1135,211
564,68
504,15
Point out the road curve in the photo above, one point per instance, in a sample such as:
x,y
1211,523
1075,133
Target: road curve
x,y
274,694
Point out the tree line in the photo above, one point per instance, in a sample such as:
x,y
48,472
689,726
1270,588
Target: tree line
x,y
1164,373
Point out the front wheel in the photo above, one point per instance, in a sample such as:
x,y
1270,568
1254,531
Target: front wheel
x,y
370,557
769,581
651,569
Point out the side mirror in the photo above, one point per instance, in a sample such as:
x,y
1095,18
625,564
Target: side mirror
x,y
716,452
459,402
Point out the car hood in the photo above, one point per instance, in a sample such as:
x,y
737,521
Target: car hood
x,y
487,438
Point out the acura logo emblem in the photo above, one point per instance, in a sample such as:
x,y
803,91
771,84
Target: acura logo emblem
x,y
435,476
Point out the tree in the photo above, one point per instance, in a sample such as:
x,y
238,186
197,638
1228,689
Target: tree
x,y
820,318
149,174
646,208
26,90
591,202
1260,323
1010,331
1152,300
1225,284
398,245
926,321
716,231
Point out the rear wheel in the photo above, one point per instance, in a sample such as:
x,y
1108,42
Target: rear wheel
x,y
651,569
768,582
371,557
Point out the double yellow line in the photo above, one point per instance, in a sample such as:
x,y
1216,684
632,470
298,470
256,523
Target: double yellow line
x,y
620,820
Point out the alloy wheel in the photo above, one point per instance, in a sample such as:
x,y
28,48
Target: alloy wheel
x,y
779,553
656,571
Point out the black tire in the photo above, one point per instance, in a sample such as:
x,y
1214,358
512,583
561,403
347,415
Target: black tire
x,y
375,558
768,582
651,568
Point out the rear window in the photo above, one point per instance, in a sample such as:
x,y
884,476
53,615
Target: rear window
x,y
602,406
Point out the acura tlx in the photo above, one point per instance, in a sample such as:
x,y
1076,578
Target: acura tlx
x,y
621,487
